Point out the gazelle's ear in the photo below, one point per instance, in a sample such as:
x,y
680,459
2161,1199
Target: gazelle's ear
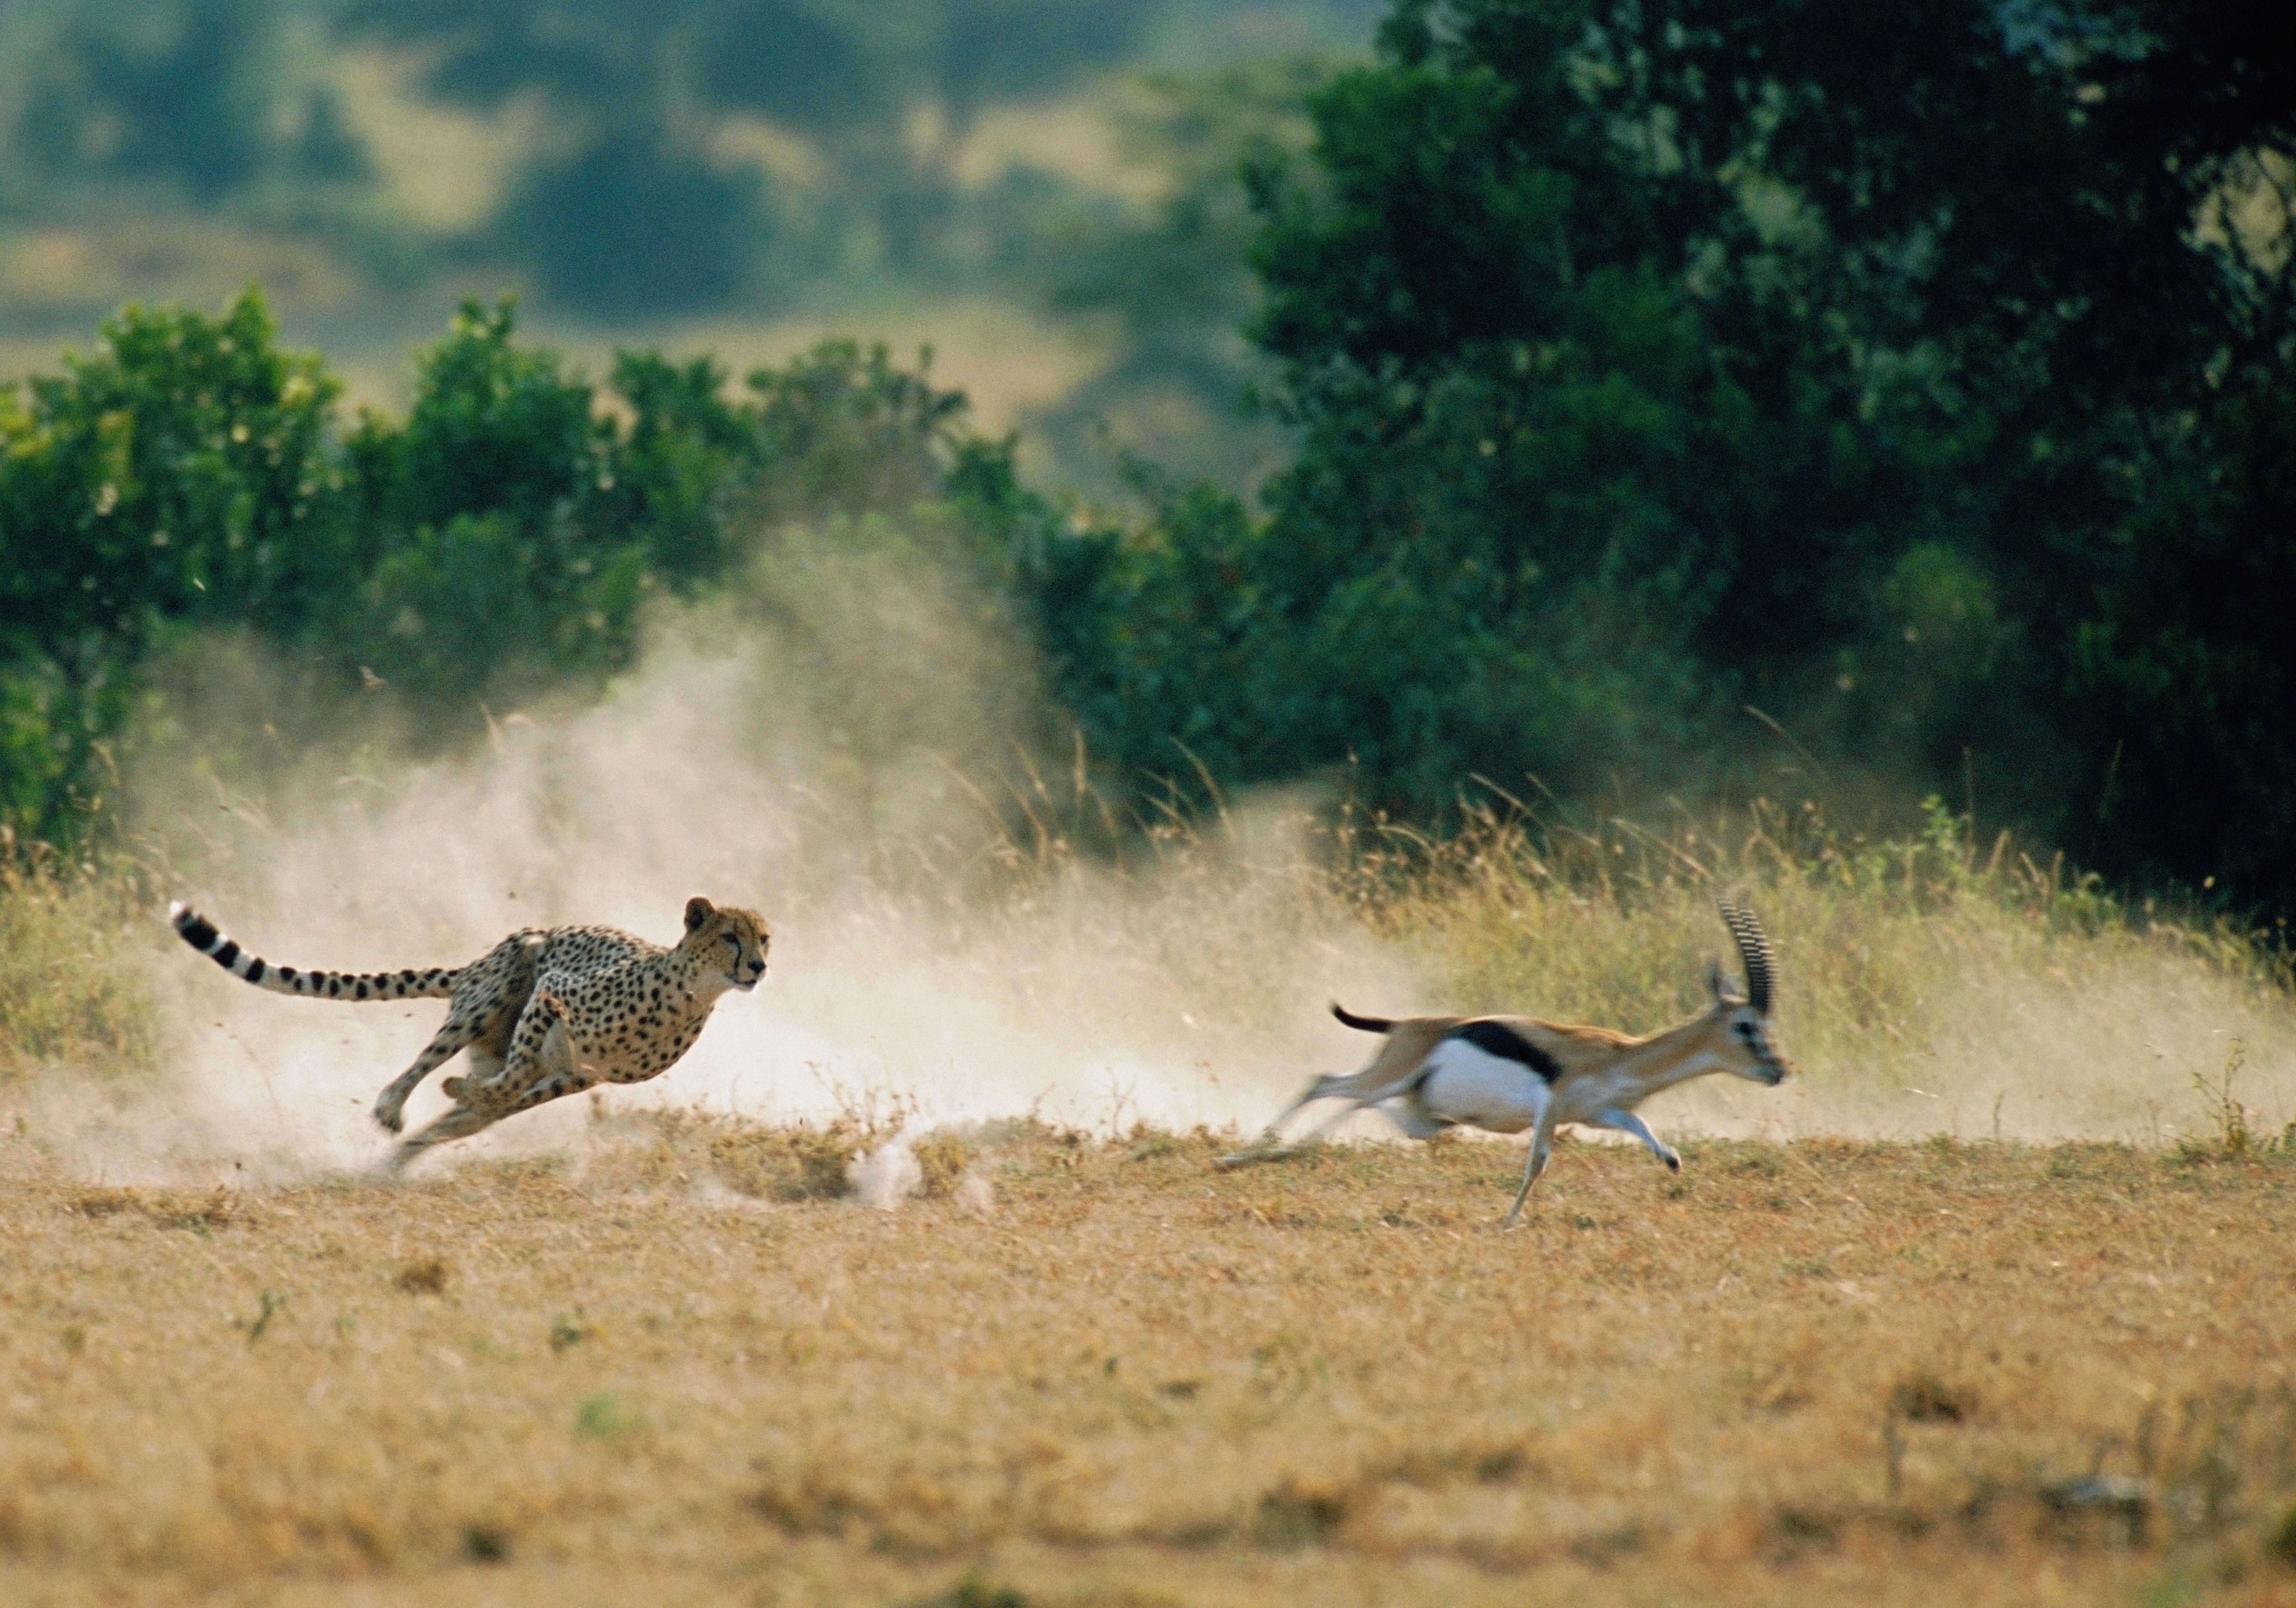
x,y
697,911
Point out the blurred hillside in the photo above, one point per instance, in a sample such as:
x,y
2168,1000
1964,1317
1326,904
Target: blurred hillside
x,y
1045,191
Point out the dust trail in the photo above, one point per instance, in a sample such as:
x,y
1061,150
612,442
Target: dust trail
x,y
837,775
1185,993
887,1175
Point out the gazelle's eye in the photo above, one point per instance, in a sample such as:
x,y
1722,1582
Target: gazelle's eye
x,y
1745,1030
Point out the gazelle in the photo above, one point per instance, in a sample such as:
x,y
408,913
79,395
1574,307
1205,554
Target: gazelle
x,y
1506,1073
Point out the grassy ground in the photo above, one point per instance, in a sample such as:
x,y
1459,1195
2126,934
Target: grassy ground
x,y
1083,1371
675,1360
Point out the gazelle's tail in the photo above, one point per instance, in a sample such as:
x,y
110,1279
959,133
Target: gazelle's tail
x,y
203,935
1362,1024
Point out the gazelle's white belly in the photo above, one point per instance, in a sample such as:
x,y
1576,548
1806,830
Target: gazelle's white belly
x,y
1470,1086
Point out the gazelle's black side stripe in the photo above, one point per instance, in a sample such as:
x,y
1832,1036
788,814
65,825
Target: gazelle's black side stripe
x,y
1497,1039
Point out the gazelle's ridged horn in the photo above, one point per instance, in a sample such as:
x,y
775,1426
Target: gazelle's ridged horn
x,y
1754,951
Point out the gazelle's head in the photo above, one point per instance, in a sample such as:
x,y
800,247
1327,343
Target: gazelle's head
x,y
1744,1018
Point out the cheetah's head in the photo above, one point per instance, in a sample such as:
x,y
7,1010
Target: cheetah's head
x,y
730,939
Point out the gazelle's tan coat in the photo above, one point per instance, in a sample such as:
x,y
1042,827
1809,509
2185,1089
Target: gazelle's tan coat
x,y
1505,1074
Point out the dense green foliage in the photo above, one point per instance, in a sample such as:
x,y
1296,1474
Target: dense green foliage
x,y
1924,382
1666,377
503,537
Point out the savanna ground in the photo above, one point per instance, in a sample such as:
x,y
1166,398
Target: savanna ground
x,y
1800,1371
676,1359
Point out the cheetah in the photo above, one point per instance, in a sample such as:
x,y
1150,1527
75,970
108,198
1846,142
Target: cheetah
x,y
545,1013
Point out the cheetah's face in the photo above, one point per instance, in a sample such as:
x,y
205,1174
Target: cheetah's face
x,y
733,939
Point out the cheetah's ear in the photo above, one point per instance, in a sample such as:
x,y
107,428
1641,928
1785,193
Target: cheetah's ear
x,y
697,911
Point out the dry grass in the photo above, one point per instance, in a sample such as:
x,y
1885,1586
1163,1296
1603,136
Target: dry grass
x,y
1929,984
1974,1373
680,1362
75,987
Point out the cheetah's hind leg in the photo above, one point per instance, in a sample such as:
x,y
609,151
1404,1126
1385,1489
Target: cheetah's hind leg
x,y
460,1028
459,1123
505,1064
485,1066
539,1068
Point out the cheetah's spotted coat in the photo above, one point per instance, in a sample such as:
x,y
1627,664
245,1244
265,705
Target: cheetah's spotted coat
x,y
545,1013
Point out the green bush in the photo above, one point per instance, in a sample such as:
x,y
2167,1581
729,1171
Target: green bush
x,y
501,538
1670,376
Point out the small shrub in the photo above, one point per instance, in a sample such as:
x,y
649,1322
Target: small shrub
x,y
1925,1398
272,1304
943,1158
1296,1515
1795,1532
164,1209
799,1163
427,1276
974,1592
606,1417
2282,1542
2232,1139
105,1202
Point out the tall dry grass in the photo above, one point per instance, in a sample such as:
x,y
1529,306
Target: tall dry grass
x,y
1930,983
680,1357
76,991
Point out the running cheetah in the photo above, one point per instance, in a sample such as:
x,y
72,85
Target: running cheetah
x,y
545,1013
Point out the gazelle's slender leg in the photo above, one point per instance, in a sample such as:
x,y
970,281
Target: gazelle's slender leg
x,y
1541,1138
1626,1122
1315,1135
1316,1090
1270,1146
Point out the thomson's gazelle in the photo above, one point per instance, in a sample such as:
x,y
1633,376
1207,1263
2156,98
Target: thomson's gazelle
x,y
1506,1073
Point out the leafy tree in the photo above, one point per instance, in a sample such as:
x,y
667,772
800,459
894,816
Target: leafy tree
x,y
2185,672
1652,360
180,474
502,537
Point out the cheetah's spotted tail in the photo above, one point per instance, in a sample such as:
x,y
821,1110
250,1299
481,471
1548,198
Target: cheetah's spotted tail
x,y
204,936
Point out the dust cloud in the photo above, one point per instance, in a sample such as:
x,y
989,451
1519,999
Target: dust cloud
x,y
858,783
849,767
